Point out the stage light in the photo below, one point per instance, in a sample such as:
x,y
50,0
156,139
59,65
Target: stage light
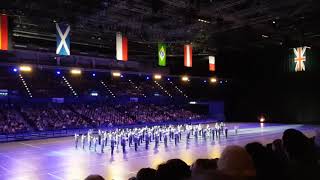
x,y
94,74
168,79
75,71
192,102
25,68
213,80
185,78
262,119
148,78
205,81
15,70
58,72
157,76
116,74
94,94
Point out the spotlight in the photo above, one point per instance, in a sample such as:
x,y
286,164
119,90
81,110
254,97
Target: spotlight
x,y
94,74
25,68
58,72
15,69
205,81
75,71
262,119
148,78
213,80
185,78
157,76
168,79
116,74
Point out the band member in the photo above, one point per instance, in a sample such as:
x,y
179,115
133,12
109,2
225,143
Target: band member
x,y
95,143
226,131
102,144
83,140
123,144
112,144
136,142
76,140
165,139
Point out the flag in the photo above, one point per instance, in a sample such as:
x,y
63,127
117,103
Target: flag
x,y
300,60
4,42
162,54
63,39
212,63
188,55
122,47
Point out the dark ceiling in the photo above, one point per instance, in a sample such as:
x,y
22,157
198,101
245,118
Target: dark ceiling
x,y
211,25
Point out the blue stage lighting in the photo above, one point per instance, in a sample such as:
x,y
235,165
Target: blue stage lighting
x,y
168,79
148,78
15,70
94,74
58,72
204,81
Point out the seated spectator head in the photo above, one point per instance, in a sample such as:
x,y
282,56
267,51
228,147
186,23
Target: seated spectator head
x,y
174,169
297,145
94,177
235,161
146,174
203,165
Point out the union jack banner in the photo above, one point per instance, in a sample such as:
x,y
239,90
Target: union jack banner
x,y
300,58
63,39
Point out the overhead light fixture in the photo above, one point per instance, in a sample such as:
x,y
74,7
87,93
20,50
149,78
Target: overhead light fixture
x,y
25,68
185,78
265,36
116,74
75,71
157,76
213,80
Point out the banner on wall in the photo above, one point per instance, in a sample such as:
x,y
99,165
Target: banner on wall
x,y
162,54
63,39
188,55
122,47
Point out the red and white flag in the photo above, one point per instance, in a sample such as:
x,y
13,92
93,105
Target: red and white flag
x,y
188,55
122,47
212,63
4,32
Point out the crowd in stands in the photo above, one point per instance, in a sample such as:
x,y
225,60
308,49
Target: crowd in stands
x,y
11,120
46,117
294,157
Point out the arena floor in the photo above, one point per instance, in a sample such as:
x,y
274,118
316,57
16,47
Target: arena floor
x,y
57,159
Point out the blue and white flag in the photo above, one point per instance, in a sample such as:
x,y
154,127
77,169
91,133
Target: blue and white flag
x,y
63,39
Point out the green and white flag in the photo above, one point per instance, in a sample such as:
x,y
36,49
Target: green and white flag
x,y
162,54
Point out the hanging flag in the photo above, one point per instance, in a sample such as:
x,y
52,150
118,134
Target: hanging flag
x,y
4,43
212,63
188,55
122,47
63,39
302,59
162,54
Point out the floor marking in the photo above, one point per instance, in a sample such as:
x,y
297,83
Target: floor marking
x,y
56,177
29,145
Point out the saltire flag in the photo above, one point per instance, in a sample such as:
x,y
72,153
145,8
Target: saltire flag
x,y
300,59
162,54
212,63
63,39
188,55
122,47
4,37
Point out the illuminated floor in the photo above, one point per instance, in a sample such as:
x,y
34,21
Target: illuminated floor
x,y
57,159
